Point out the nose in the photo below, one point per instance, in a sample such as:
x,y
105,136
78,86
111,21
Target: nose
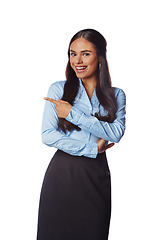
x,y
79,59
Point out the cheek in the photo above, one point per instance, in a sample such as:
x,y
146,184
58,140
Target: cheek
x,y
94,64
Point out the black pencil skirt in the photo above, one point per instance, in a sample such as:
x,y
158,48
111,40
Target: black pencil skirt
x,y
75,201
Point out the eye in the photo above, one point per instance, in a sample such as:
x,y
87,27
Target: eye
x,y
86,54
72,54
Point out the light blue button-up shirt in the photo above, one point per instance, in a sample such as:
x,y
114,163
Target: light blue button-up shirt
x,y
82,142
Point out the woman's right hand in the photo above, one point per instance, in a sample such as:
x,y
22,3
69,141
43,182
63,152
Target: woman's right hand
x,y
101,145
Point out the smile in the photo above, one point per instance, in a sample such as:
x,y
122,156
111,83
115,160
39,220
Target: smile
x,y
80,69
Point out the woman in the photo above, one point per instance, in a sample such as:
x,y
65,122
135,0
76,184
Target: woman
x,y
81,115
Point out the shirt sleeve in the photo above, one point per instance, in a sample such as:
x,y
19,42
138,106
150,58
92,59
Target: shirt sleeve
x,y
112,132
51,136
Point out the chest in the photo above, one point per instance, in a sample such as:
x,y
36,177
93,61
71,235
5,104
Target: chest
x,y
88,103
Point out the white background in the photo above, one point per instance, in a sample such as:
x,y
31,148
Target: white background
x,y
33,54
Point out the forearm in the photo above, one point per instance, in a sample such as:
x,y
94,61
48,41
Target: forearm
x,y
54,138
108,131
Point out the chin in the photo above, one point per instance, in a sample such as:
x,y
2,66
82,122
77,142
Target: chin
x,y
81,75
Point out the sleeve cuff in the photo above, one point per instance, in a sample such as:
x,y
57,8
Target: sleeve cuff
x,y
91,150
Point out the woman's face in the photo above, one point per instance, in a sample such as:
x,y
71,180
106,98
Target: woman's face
x,y
83,59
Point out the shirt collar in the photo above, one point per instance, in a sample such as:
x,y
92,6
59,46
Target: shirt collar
x,y
83,91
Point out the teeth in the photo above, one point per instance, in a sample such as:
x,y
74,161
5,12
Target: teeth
x,y
80,68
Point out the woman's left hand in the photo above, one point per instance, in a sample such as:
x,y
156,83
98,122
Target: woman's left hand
x,y
101,145
63,108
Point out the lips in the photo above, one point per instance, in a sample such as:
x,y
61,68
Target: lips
x,y
80,69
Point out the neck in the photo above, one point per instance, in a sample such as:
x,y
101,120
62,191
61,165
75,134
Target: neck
x,y
89,82
89,85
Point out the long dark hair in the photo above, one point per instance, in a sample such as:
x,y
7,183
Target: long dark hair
x,y
104,90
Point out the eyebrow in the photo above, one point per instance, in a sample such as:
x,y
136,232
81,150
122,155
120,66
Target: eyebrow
x,y
81,51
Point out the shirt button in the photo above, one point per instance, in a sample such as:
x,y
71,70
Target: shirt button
x,y
90,109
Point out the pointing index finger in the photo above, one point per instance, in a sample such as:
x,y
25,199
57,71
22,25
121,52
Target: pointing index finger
x,y
50,100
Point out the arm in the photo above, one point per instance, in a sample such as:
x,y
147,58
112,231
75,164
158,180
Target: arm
x,y
108,131
52,137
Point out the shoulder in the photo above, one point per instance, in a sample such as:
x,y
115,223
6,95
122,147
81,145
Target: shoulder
x,y
56,89
58,85
120,96
118,92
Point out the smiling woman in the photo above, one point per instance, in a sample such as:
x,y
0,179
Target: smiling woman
x,y
81,116
84,60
